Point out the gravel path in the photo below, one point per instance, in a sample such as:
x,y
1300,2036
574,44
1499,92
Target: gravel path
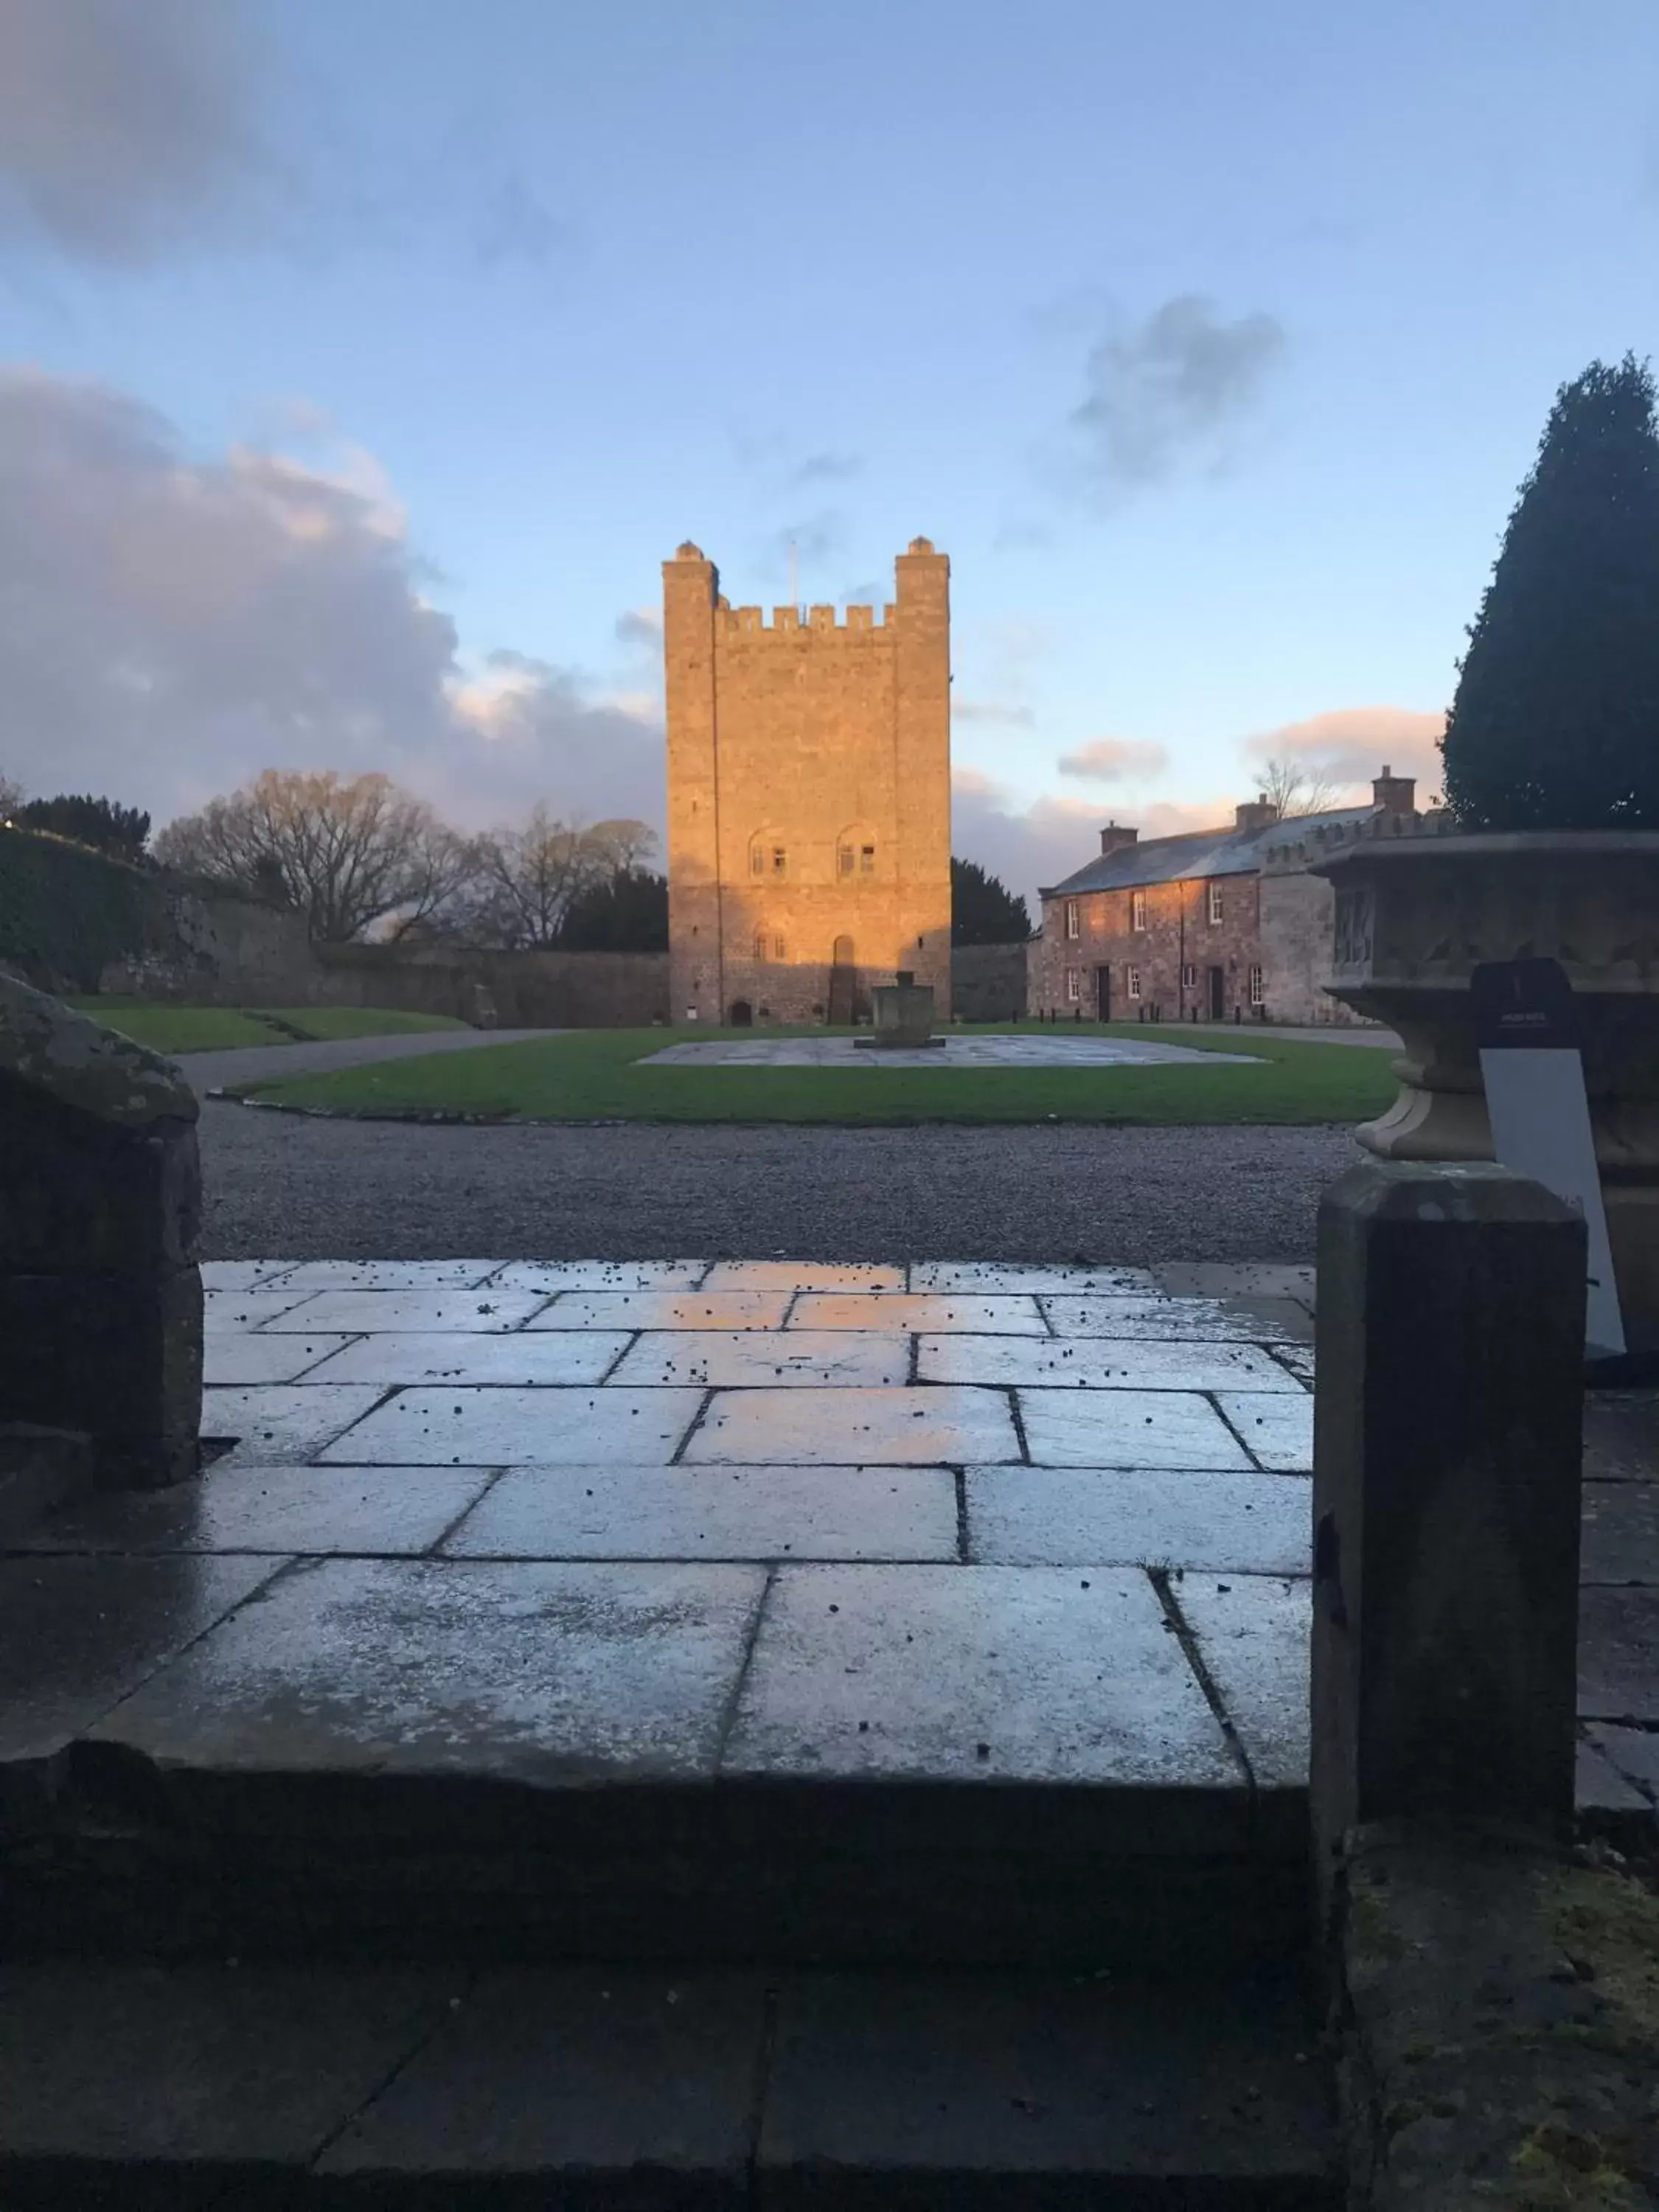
x,y
284,1185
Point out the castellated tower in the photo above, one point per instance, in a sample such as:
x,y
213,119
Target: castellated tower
x,y
809,797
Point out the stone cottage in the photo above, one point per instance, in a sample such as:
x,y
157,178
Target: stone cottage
x,y
1221,924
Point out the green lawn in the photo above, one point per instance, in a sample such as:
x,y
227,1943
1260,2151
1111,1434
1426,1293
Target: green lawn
x,y
170,1029
592,1075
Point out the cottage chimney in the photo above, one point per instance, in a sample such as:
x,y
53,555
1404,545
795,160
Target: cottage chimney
x,y
1257,813
1114,837
1394,794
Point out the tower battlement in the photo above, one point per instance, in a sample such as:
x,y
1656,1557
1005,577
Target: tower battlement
x,y
796,623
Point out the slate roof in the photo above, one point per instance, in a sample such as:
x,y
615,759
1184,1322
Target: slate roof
x,y
1197,853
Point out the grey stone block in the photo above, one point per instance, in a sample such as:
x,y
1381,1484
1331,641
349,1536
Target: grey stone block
x,y
621,2084
1619,1654
1446,1499
119,1356
1620,1533
1050,2090
137,2084
1621,1436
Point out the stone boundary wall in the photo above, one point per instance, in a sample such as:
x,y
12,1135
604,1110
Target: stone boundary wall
x,y
505,990
988,981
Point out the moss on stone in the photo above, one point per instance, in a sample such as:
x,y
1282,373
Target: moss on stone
x,y
47,1049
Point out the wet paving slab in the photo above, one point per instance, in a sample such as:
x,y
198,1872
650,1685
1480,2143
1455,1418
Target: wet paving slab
x,y
844,1427
468,1425
549,1671
765,1358
470,1521
1097,1364
774,1513
1256,1525
970,1673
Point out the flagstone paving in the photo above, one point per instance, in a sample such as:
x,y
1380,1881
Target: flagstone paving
x,y
955,1520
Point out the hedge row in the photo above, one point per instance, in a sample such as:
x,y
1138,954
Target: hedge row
x,y
65,912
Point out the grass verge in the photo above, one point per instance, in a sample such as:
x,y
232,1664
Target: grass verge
x,y
170,1029
594,1075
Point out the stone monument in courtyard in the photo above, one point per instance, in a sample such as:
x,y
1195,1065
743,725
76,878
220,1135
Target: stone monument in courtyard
x,y
903,1017
809,797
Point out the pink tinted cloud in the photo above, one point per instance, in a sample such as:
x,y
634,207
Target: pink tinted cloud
x,y
1114,760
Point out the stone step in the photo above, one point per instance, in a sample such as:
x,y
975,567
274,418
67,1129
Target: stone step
x,y
475,1759
323,2085
108,1850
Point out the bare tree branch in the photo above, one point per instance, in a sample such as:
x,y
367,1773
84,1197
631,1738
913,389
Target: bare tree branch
x,y
348,852
1295,787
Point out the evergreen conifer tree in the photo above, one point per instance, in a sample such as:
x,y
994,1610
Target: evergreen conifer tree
x,y
1556,721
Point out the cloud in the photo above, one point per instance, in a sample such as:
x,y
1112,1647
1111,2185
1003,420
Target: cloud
x,y
827,468
816,539
1169,391
126,126
1042,844
133,131
514,223
1114,760
640,627
171,625
994,710
1349,743
1026,847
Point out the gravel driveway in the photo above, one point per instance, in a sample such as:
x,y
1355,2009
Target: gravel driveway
x,y
285,1185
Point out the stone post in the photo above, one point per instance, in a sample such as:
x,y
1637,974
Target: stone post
x,y
100,1296
1446,1502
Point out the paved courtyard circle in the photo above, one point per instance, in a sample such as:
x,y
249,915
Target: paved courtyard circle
x,y
948,1054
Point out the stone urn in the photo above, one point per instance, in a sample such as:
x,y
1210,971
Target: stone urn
x,y
1419,907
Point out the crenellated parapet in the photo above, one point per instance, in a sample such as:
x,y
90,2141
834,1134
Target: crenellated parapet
x,y
791,625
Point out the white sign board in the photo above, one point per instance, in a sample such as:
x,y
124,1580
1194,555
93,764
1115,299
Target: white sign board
x,y
1541,1126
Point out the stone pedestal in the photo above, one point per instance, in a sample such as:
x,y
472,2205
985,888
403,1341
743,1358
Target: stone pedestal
x,y
1448,1416
1417,914
903,1016
100,1296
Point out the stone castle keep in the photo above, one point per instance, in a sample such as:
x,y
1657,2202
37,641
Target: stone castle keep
x,y
809,797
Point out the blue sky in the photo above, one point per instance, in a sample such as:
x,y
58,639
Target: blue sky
x,y
1210,342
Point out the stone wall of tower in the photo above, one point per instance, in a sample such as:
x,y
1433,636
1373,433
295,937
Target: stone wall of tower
x,y
809,796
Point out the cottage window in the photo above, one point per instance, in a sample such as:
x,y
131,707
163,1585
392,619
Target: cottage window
x,y
1189,977
1073,920
867,861
778,948
779,860
1134,983
1073,985
844,860
1258,993
1137,910
1215,902
757,860
760,944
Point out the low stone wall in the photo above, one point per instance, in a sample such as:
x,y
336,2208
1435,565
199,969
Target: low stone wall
x,y
504,990
216,948
988,982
